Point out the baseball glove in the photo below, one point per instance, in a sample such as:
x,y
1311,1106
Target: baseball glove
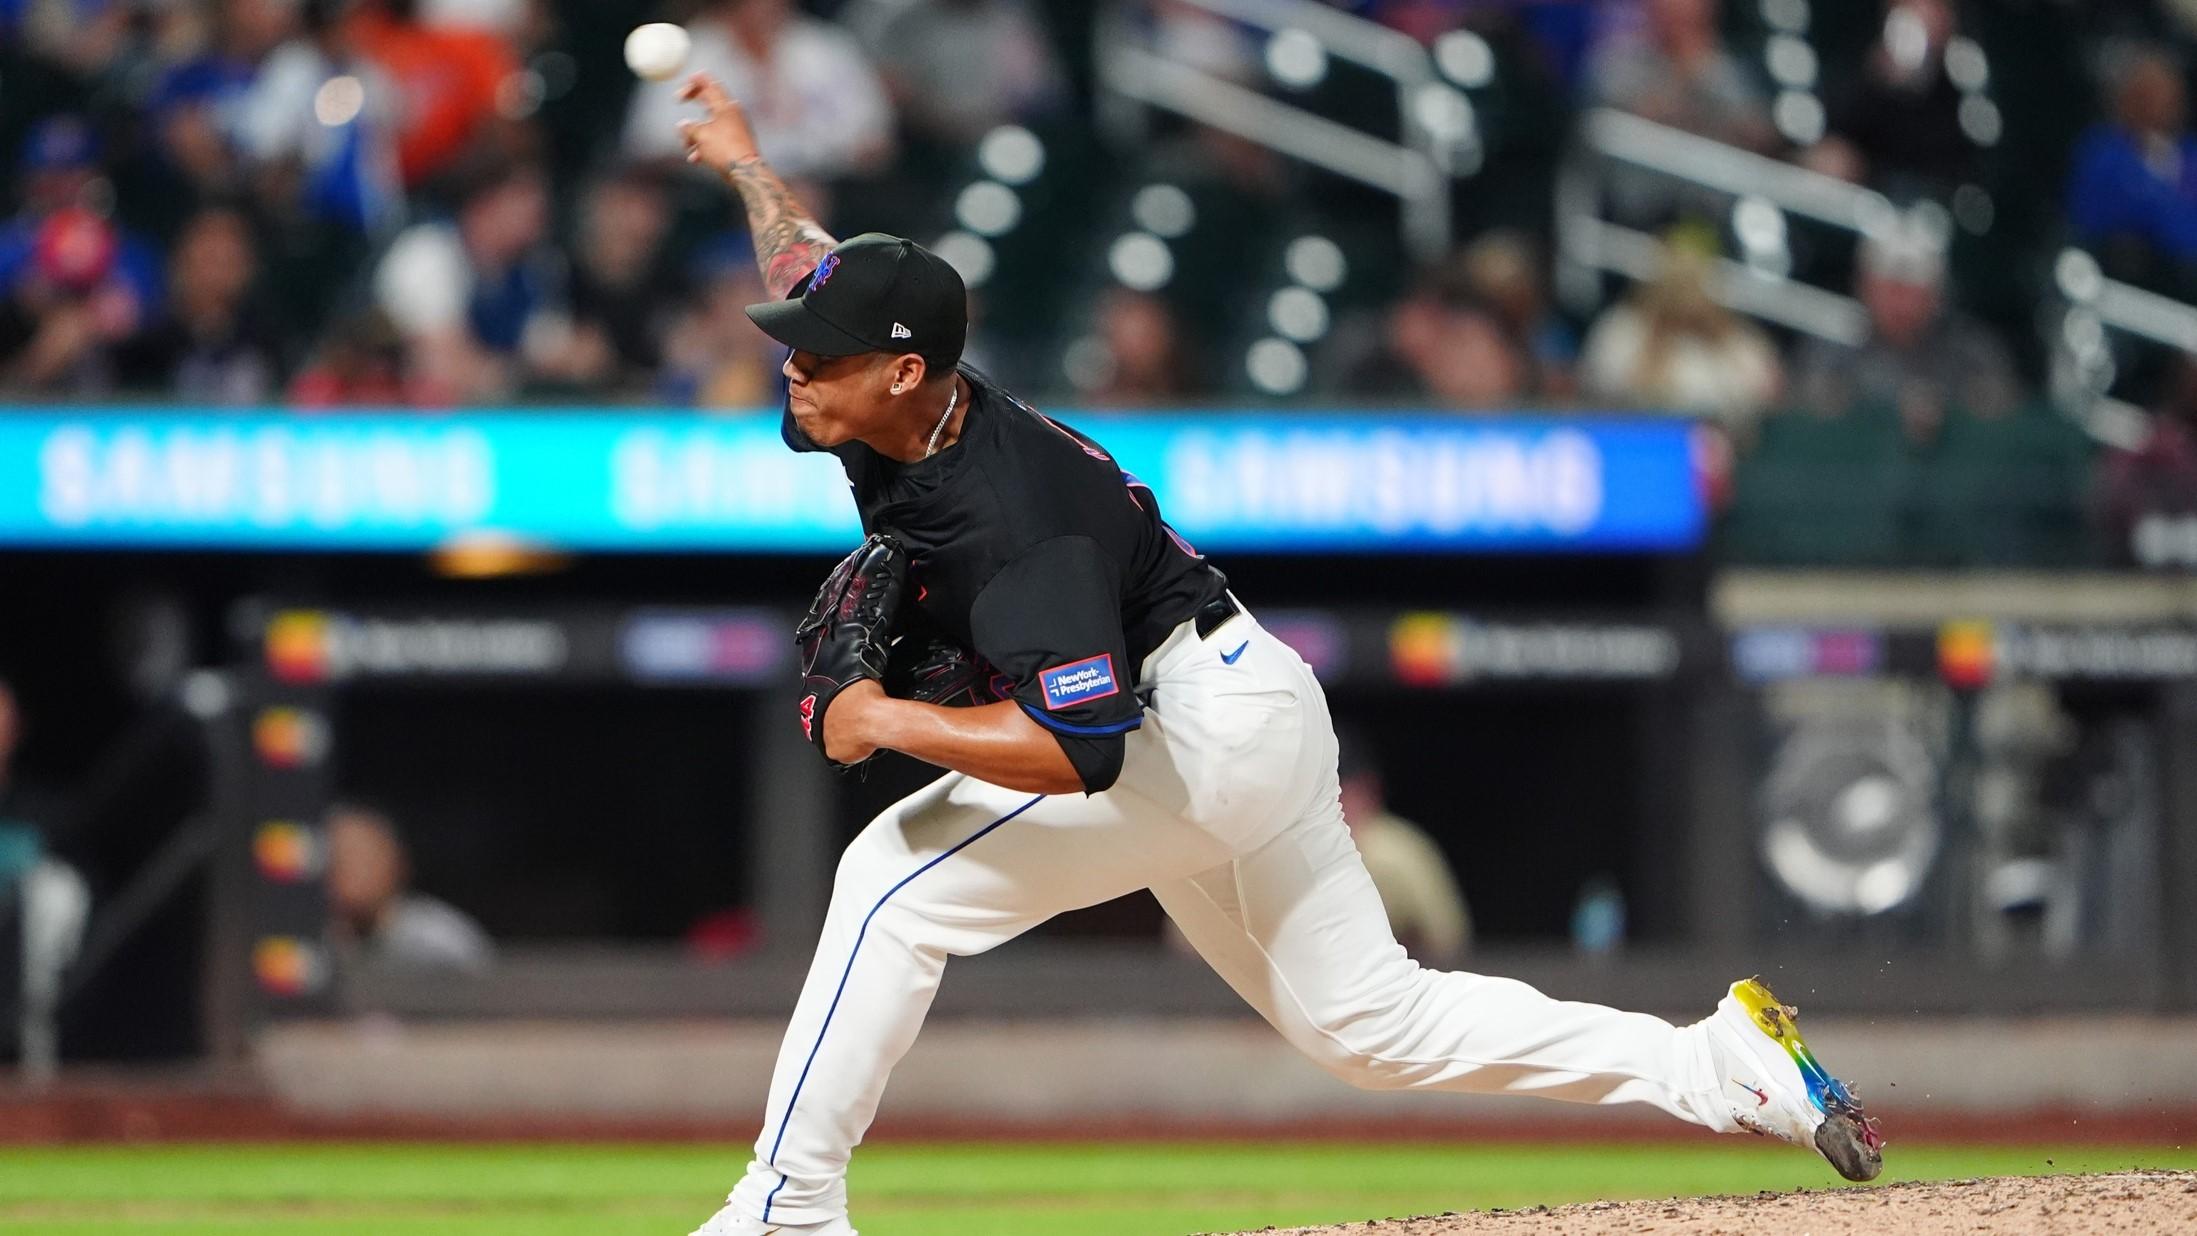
x,y
847,635
932,668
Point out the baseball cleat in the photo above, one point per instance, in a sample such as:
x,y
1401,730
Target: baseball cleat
x,y
729,1222
1775,1086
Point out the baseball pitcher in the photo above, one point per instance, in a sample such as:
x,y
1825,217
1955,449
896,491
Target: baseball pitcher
x,y
1110,718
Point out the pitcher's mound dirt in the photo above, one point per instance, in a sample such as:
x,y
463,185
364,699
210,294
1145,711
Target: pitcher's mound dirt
x,y
2119,1203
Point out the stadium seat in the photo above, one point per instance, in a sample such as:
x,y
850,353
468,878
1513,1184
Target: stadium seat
x,y
1821,489
2004,491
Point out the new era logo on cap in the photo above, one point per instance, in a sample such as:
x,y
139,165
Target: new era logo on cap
x,y
902,332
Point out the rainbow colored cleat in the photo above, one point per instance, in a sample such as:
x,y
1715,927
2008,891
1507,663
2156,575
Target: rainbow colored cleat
x,y
1776,1086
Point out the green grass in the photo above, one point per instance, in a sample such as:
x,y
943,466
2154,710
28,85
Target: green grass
x,y
985,1189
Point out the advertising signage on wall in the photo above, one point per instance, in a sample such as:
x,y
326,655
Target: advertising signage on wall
x,y
1239,482
301,647
1969,653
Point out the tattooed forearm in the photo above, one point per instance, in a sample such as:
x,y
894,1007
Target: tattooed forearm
x,y
788,243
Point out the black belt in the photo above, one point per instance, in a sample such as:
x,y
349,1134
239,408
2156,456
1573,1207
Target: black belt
x,y
1216,612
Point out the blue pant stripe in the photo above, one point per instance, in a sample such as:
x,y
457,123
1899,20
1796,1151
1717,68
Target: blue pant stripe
x,y
786,1119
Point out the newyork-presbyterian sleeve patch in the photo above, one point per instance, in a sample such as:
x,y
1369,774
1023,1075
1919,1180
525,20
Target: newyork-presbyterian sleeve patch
x,y
1078,682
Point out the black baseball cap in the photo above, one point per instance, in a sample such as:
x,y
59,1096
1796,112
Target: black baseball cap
x,y
874,293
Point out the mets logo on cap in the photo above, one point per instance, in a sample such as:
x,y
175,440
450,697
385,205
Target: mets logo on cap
x,y
824,271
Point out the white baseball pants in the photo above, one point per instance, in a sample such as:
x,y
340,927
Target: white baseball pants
x,y
1227,809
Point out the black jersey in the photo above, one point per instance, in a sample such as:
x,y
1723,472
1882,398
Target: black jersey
x,y
1030,545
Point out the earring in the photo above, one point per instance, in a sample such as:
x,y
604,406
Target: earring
x,y
896,388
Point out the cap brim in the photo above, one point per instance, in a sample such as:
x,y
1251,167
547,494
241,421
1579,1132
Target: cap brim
x,y
793,323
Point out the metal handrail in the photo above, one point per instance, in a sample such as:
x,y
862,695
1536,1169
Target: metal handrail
x,y
1587,245
2082,376
2124,306
1160,82
1413,171
1626,138
1369,44
1639,256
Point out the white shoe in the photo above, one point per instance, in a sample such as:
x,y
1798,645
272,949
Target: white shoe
x,y
1773,1085
729,1222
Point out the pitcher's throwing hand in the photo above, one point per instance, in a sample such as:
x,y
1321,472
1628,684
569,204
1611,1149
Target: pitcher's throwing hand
x,y
724,136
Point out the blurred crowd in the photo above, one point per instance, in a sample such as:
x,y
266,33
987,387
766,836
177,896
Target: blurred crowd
x,y
436,203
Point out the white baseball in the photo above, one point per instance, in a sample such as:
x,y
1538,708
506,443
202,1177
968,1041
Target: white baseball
x,y
656,51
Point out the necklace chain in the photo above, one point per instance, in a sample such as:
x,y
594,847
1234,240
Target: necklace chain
x,y
930,448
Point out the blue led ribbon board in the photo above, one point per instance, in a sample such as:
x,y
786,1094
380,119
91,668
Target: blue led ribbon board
x,y
1357,482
